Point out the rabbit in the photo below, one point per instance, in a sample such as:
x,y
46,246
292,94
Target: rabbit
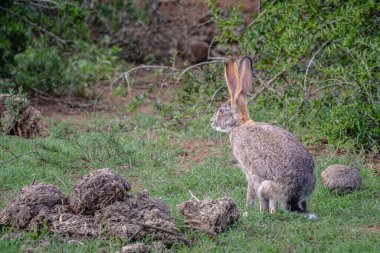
x,y
278,168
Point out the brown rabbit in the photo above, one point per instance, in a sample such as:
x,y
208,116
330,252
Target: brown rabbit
x,y
277,166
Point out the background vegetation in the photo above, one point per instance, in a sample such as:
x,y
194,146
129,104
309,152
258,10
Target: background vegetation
x,y
325,55
317,72
47,45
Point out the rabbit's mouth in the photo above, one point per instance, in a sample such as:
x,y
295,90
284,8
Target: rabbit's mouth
x,y
226,129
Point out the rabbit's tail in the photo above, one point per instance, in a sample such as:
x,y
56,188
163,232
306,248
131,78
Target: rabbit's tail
x,y
297,206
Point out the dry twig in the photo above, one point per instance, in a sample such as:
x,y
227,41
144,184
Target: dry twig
x,y
34,25
16,157
197,65
185,240
312,59
261,13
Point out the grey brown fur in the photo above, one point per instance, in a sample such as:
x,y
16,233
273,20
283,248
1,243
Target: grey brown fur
x,y
279,170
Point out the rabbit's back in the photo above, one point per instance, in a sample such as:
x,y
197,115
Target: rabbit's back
x,y
275,154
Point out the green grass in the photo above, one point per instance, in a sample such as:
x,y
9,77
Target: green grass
x,y
153,155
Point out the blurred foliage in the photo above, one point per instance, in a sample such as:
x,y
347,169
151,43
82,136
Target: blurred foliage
x,y
326,55
46,45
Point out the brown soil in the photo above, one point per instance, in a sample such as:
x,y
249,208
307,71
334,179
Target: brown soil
x,y
80,109
195,151
210,216
375,229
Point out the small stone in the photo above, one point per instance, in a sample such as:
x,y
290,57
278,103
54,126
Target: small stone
x,y
341,178
312,217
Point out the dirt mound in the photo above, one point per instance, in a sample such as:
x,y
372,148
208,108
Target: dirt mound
x,y
18,117
341,178
32,206
100,206
210,216
97,190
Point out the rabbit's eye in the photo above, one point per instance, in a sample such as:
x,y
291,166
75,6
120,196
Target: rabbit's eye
x,y
221,111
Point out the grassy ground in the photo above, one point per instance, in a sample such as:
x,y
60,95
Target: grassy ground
x,y
169,161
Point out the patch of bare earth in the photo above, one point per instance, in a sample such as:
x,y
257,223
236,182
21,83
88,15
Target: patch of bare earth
x,y
375,229
196,151
102,100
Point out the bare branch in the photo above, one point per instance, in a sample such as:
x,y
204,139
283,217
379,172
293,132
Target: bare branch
x,y
16,157
126,74
185,240
266,85
209,57
313,57
8,150
261,14
34,25
213,97
197,65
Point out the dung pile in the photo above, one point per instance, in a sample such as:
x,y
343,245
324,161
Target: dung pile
x,y
210,216
18,117
29,208
97,190
100,206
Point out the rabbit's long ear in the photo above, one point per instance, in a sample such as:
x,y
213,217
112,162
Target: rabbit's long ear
x,y
231,74
246,74
246,78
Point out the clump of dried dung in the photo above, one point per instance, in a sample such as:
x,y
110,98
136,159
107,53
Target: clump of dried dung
x,y
138,217
341,178
32,206
100,206
210,216
137,247
74,225
18,117
97,190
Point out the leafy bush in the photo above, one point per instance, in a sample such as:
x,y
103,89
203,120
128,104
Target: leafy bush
x,y
46,45
325,56
48,70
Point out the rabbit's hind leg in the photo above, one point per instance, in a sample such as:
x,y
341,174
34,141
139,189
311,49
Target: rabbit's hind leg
x,y
254,183
304,206
272,206
251,193
268,195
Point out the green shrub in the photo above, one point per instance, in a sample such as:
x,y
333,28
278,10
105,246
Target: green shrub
x,y
47,46
326,56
